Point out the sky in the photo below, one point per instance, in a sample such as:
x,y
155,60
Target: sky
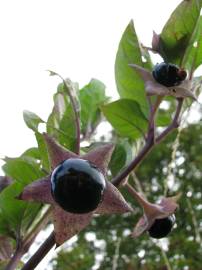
x,y
75,38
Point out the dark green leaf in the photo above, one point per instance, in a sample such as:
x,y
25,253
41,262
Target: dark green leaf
x,y
91,97
179,30
129,83
32,120
17,215
121,156
126,117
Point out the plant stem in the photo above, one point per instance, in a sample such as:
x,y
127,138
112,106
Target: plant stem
x,y
119,179
138,197
12,265
174,123
40,253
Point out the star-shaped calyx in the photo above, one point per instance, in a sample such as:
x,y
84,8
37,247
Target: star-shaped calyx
x,y
158,219
68,224
166,80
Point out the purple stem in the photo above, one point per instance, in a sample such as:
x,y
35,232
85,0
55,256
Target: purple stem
x,y
13,263
40,253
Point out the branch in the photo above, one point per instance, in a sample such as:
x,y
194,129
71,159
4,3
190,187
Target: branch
x,y
174,124
119,179
40,253
13,263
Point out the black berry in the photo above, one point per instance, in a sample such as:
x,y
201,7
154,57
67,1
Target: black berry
x,y
162,227
168,74
77,185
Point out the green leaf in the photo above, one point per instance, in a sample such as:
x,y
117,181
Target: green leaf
x,y
91,96
179,30
126,117
129,83
32,152
17,215
193,55
163,118
61,122
22,170
121,156
43,152
32,120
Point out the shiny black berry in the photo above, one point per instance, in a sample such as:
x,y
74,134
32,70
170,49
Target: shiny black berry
x,y
168,74
77,185
162,227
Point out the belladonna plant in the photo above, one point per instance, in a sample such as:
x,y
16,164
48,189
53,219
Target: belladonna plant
x,y
70,216
81,184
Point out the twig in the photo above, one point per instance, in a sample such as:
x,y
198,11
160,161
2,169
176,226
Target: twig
x,y
174,124
12,265
138,197
40,253
119,179
137,183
